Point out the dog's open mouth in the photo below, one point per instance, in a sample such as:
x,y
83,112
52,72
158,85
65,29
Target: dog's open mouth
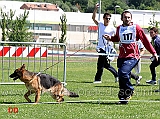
x,y
14,77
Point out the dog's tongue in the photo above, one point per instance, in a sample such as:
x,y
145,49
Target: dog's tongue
x,y
15,78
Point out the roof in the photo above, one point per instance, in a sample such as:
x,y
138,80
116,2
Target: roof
x,y
134,11
45,7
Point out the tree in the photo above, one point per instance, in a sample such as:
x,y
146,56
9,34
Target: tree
x,y
15,30
63,27
153,23
3,25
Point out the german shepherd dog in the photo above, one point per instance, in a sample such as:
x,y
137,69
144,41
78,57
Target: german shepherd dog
x,y
38,83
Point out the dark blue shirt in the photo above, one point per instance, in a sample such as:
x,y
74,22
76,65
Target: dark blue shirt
x,y
157,44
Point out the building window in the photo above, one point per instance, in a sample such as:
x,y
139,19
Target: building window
x,y
48,28
78,29
36,28
43,34
41,28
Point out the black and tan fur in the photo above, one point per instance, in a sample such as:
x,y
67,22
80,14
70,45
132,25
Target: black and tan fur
x,y
38,83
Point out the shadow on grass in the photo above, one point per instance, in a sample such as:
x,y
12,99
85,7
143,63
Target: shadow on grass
x,y
158,90
86,82
11,94
84,102
102,103
74,102
157,99
12,102
80,81
7,102
108,86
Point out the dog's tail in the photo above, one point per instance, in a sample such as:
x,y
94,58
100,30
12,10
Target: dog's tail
x,y
69,93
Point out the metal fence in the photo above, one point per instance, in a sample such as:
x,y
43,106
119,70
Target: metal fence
x,y
49,58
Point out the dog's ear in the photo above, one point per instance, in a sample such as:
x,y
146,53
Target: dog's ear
x,y
22,67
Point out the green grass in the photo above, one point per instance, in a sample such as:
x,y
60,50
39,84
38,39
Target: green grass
x,y
96,101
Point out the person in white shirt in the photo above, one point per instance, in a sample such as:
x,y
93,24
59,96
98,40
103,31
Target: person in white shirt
x,y
104,46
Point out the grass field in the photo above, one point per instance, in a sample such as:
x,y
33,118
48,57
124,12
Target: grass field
x,y
96,101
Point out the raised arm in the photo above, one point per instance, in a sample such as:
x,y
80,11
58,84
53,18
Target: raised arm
x,y
94,14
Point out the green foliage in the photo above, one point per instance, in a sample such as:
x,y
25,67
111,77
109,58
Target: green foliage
x,y
3,25
63,27
153,22
15,29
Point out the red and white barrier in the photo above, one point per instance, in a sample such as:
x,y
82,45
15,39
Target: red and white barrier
x,y
10,51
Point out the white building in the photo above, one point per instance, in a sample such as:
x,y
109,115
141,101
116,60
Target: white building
x,y
46,23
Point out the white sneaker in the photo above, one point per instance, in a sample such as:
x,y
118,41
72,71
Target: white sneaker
x,y
116,79
97,82
151,82
138,81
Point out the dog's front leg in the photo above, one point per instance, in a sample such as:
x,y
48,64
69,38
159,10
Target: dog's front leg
x,y
37,97
26,96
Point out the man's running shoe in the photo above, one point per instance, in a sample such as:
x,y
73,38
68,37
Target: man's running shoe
x,y
151,82
123,101
97,82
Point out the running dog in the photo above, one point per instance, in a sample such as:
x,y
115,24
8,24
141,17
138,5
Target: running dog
x,y
38,83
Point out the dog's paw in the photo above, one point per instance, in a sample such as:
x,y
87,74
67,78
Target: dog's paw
x,y
60,100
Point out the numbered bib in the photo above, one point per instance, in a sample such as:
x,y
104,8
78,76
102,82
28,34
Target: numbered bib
x,y
127,34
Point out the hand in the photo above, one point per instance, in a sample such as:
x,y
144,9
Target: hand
x,y
156,57
97,5
107,37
